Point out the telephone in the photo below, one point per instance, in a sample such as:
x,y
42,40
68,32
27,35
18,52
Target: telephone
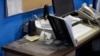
x,y
87,12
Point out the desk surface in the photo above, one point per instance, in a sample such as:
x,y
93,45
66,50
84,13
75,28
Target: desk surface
x,y
88,36
24,46
29,48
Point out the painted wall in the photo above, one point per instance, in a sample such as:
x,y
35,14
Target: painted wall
x,y
78,3
11,27
88,1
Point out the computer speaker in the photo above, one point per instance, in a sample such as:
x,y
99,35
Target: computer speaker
x,y
31,28
45,11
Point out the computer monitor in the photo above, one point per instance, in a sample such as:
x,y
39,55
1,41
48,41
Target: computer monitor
x,y
60,30
63,7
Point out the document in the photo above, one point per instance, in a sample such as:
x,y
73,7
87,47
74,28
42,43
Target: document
x,y
73,19
80,29
77,30
43,24
32,38
14,7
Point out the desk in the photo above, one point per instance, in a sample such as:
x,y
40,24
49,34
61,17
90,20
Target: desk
x,y
23,47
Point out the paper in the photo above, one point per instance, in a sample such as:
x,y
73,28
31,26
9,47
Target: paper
x,y
32,38
14,7
73,19
76,31
45,35
80,29
43,24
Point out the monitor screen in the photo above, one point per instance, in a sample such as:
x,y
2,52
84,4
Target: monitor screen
x,y
60,30
62,7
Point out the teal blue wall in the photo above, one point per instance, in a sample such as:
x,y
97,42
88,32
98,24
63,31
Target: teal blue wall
x,y
88,1
78,3
11,27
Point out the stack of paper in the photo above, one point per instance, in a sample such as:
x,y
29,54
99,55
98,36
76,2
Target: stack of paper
x,y
77,30
73,19
80,29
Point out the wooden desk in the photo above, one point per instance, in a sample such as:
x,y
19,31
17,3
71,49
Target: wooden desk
x,y
23,47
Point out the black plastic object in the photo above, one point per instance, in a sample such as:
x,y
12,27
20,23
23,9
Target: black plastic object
x,y
45,11
60,30
63,7
31,28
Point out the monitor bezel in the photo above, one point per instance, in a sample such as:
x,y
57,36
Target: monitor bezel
x,y
54,9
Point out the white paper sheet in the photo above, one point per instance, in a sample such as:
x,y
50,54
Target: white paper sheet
x,y
43,24
14,7
73,19
80,30
77,30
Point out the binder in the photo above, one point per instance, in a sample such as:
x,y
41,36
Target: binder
x,y
61,30
64,31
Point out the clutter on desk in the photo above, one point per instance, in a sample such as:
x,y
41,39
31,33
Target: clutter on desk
x,y
31,28
43,24
74,19
32,38
45,36
88,14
